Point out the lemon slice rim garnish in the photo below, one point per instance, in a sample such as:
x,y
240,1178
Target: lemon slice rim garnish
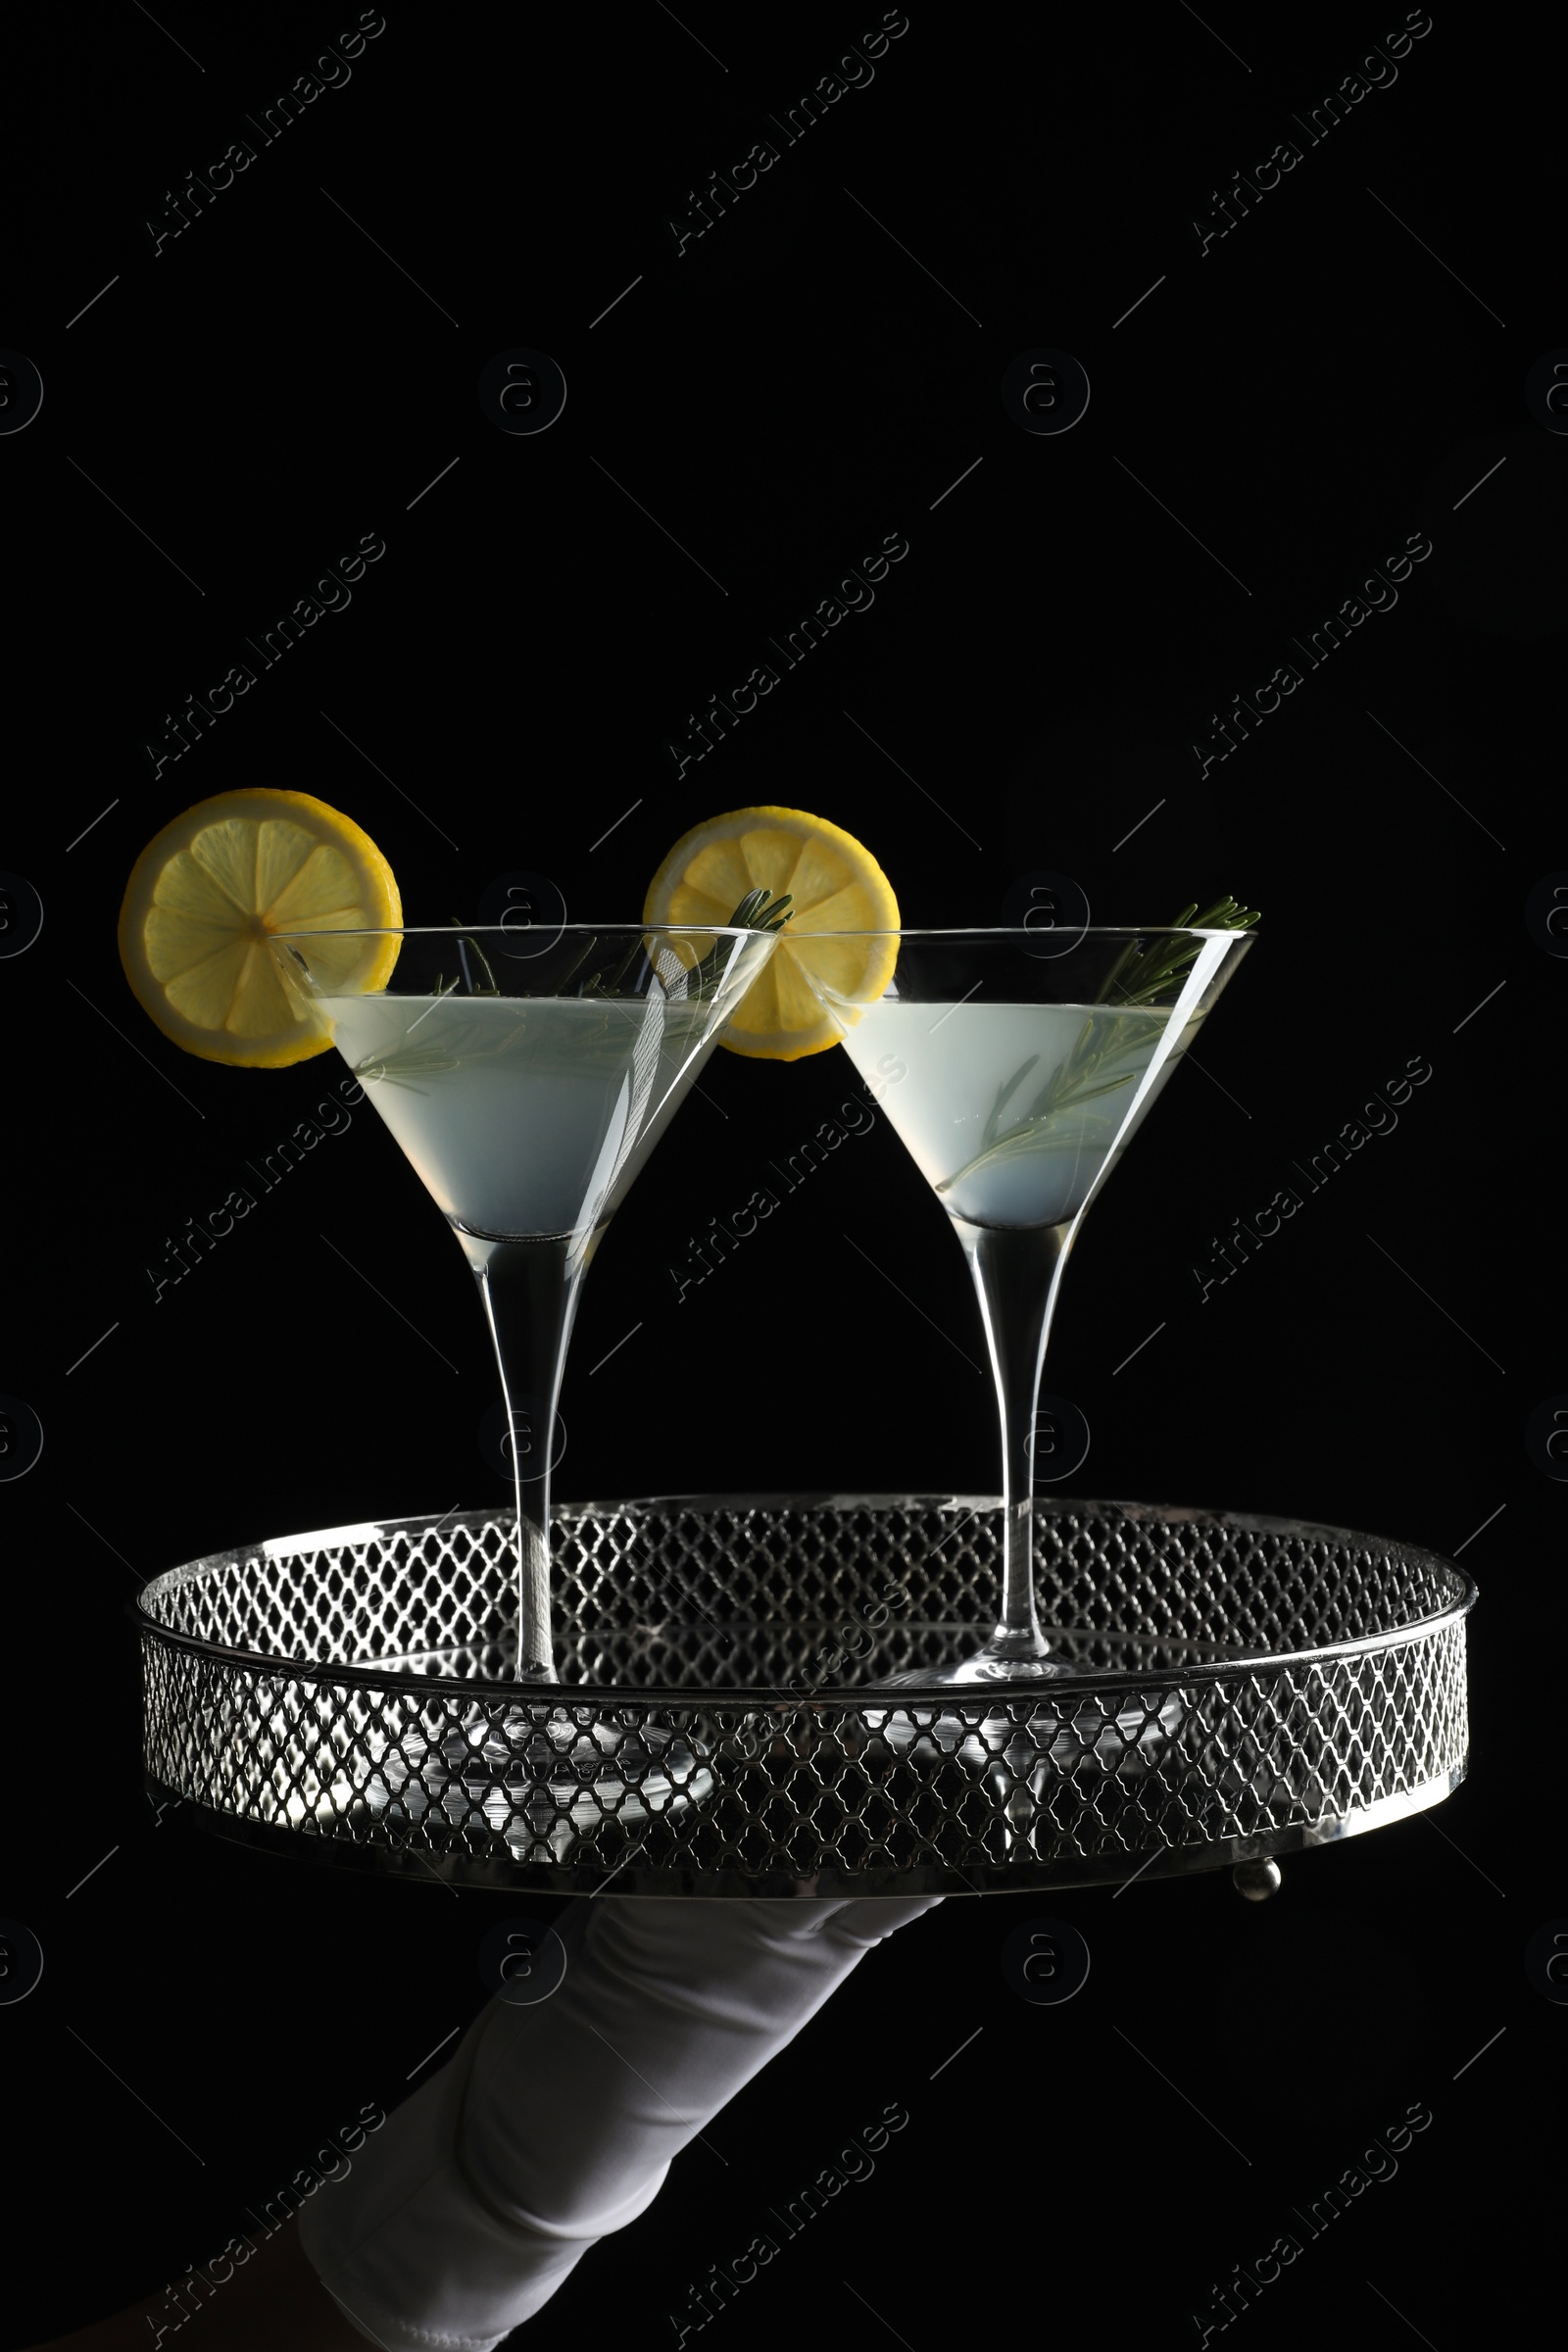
x,y
197,919
780,1018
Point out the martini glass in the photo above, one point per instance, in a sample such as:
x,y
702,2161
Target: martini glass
x,y
1016,1072
528,1074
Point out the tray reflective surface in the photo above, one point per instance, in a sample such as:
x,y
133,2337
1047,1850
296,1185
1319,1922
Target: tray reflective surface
x,y
1234,1688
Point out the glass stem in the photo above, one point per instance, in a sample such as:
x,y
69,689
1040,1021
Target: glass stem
x,y
1017,1272
529,1289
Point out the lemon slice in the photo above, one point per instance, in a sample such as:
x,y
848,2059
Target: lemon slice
x,y
835,884
208,892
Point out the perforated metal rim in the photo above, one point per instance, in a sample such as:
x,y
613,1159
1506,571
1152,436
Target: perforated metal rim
x,y
1216,1664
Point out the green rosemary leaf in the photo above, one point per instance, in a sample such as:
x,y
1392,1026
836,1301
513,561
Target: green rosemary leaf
x,y
467,939
606,984
1142,973
1005,1095
1090,1094
1123,962
759,911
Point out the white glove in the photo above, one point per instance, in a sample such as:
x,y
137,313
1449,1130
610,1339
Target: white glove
x,y
556,2124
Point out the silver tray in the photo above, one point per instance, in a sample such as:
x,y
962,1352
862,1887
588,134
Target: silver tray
x,y
1236,1688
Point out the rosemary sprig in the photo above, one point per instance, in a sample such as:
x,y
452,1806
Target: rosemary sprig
x,y
1140,976
471,987
608,984
759,911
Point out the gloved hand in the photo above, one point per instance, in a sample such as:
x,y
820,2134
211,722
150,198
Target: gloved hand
x,y
557,2123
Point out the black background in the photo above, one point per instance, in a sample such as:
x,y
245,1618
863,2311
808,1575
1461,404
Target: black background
x,y
1304,396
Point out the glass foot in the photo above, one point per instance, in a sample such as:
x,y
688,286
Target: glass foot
x,y
986,1666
